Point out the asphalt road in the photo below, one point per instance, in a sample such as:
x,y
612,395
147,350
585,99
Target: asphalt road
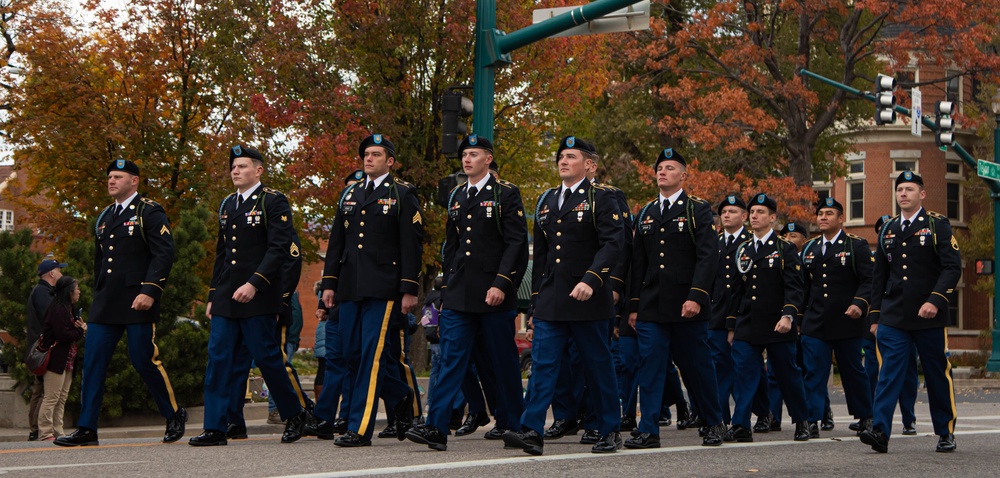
x,y
836,453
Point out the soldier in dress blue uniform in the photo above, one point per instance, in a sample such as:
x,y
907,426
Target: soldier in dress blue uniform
x,y
372,266
838,270
245,297
761,317
485,256
579,233
917,265
675,253
133,254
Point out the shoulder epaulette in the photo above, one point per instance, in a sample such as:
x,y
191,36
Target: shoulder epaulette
x,y
401,182
814,239
853,236
784,240
697,199
599,186
273,191
935,215
506,183
149,201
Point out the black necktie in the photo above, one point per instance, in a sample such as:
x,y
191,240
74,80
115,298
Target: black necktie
x,y
664,206
906,225
118,211
729,242
239,201
473,191
370,189
826,246
565,200
758,246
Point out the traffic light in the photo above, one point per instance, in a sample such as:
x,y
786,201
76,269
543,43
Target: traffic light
x,y
984,267
885,102
945,135
454,107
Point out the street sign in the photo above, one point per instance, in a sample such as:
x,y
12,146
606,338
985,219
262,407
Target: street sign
x,y
988,170
918,111
629,19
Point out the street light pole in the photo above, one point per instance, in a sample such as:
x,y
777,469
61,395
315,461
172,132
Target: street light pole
x,y
993,364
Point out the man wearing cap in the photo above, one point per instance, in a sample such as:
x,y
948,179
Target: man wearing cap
x,y
485,256
674,256
917,265
49,271
838,268
579,234
133,254
762,309
245,297
911,382
372,266
795,233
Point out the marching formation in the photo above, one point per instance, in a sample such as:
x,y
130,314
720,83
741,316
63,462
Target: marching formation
x,y
623,309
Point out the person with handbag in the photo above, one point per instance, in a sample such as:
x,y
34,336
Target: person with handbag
x,y
62,329
49,271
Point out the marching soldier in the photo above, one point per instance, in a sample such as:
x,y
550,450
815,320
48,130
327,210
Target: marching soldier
x,y
762,311
838,269
578,238
485,256
916,265
133,254
372,266
244,299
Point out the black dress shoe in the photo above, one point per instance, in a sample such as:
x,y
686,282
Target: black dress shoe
x,y
813,430
802,431
495,434
702,431
643,441
209,438
590,437
294,427
876,439
855,426
33,436
628,424
322,429
609,443
664,421
428,435
472,423
351,439
775,425
684,419
175,426
866,424
340,426
946,444
713,435
561,428
909,430
529,441
404,416
389,431
236,432
81,437
763,424
827,423
738,433
456,420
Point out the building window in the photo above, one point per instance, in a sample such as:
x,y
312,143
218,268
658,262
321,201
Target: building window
x,y
856,199
953,167
906,165
954,299
6,220
954,201
822,193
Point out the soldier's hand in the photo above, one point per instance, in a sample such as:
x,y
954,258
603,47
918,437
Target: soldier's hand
x,y
784,325
321,314
409,303
328,298
142,302
873,329
730,336
690,309
616,333
245,293
582,292
494,297
928,311
208,310
631,319
853,312
616,296
529,335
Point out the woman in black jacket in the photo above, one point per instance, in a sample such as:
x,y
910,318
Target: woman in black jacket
x,y
62,330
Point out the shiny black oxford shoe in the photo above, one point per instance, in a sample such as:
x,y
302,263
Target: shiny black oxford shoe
x,y
738,433
295,426
81,437
713,435
827,424
352,439
209,438
946,444
628,424
527,440
763,424
428,435
323,430
875,439
643,441
175,426
472,423
802,431
561,428
236,432
609,443
590,437
495,434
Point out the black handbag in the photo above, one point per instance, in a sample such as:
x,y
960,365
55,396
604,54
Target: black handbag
x,y
38,356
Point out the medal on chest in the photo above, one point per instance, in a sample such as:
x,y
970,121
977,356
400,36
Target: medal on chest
x,y
680,224
489,205
580,208
386,203
131,223
253,218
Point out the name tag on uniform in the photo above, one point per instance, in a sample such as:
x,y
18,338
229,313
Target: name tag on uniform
x,y
349,206
543,215
809,258
454,209
646,226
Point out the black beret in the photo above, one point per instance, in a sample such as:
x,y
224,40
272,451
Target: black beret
x,y
355,176
123,165
572,142
669,154
475,141
762,199
377,140
494,166
880,222
794,227
909,177
243,151
829,202
732,200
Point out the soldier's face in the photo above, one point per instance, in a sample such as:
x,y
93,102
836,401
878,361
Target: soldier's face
x,y
733,217
245,173
761,218
476,162
377,162
670,175
121,185
573,165
829,220
909,196
796,238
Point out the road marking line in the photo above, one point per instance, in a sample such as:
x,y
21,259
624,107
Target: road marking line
x,y
68,465
579,456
